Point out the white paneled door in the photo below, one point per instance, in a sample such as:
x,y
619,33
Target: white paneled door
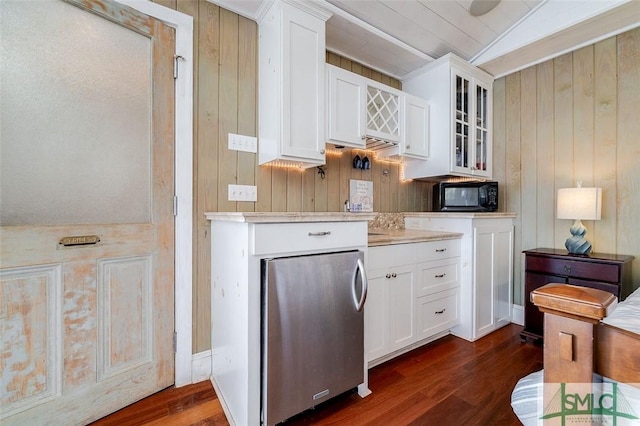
x,y
86,210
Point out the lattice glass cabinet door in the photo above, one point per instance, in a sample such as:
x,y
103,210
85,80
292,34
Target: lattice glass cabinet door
x,y
383,114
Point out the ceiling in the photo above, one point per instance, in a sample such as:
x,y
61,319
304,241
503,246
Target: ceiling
x,y
398,37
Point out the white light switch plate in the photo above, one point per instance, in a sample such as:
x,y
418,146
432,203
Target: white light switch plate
x,y
243,193
243,143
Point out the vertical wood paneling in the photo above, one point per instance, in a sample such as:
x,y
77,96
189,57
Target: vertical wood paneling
x,y
206,150
376,177
294,190
228,108
346,166
604,167
544,154
206,25
225,100
498,141
278,190
586,106
628,148
394,176
563,136
247,101
320,188
583,106
334,202
403,197
583,121
308,190
528,140
513,171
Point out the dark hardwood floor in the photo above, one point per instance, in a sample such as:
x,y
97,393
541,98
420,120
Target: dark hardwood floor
x,y
447,382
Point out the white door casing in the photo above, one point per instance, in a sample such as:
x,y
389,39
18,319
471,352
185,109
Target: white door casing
x,y
183,25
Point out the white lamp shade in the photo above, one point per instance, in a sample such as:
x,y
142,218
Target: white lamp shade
x,y
579,203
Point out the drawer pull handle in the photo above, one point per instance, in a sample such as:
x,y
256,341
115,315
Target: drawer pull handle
x,y
440,312
319,234
440,275
441,250
567,269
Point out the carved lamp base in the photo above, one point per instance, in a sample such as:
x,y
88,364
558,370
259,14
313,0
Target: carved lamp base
x,y
577,244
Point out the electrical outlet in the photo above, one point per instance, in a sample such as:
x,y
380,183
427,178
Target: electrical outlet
x,y
243,193
243,143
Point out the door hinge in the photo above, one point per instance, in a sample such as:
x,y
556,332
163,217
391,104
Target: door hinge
x,y
175,205
175,65
175,342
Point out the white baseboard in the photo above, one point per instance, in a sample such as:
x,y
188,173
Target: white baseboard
x,y
201,366
517,314
201,362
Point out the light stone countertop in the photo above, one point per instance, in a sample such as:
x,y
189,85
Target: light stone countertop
x,y
384,237
289,217
462,215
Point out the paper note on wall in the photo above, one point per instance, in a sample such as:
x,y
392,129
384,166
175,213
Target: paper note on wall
x,y
361,195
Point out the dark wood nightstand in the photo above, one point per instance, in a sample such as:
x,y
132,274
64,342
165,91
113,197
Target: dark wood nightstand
x,y
603,271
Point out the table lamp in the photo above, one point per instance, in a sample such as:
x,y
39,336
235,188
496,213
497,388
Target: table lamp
x,y
578,204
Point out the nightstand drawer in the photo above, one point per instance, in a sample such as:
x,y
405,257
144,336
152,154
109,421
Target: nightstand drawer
x,y
574,268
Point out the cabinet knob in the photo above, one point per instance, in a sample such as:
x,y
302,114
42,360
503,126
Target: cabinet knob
x,y
388,275
322,152
363,137
408,146
567,269
393,275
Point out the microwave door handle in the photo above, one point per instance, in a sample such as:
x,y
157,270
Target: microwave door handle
x,y
359,302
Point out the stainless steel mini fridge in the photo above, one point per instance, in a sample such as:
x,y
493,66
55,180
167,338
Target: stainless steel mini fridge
x,y
312,331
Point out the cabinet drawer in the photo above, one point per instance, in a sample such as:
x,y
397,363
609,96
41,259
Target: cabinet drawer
x,y
274,238
434,250
437,312
438,275
574,268
392,255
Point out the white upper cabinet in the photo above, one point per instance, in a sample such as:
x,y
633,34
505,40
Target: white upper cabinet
x,y
292,84
460,128
345,117
365,114
415,135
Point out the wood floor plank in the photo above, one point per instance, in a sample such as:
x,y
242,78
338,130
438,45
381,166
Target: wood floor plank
x,y
446,382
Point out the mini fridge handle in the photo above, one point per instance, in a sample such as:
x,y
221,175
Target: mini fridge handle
x,y
365,287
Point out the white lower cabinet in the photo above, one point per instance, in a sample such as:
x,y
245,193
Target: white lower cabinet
x,y
486,275
413,296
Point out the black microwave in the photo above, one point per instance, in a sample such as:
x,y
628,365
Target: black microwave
x,y
466,196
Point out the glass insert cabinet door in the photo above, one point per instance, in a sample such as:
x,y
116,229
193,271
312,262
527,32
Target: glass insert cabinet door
x,y
462,121
482,128
471,123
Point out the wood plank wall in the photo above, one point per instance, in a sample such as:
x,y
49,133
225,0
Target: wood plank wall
x,y
225,101
573,118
